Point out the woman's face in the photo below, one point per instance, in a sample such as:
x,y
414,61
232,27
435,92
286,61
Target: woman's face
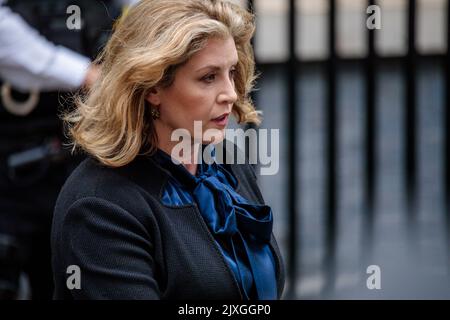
x,y
203,90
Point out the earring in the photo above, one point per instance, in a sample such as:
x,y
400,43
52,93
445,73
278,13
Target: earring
x,y
155,113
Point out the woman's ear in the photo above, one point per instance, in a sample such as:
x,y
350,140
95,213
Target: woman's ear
x,y
153,97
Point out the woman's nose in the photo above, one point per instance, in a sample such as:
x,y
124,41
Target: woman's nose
x,y
228,93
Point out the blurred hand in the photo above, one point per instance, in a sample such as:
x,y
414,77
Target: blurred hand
x,y
91,76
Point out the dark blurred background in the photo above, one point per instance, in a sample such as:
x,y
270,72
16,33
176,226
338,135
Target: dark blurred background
x,y
364,152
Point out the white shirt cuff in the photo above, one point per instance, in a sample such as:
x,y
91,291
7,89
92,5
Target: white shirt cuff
x,y
68,66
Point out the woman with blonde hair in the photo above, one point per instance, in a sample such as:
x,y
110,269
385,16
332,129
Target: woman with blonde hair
x,y
136,220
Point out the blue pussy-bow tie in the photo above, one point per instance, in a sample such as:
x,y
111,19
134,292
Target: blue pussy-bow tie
x,y
244,226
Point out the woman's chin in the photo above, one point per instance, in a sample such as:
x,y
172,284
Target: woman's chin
x,y
214,139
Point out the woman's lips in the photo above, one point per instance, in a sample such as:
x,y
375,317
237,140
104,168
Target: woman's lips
x,y
222,120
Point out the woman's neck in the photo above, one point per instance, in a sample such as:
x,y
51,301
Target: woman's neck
x,y
188,160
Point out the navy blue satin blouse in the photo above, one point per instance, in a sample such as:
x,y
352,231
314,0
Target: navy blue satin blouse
x,y
241,229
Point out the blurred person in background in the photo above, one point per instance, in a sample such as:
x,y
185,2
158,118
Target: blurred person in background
x,y
40,58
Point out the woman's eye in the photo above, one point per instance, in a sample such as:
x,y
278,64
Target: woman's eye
x,y
209,78
232,73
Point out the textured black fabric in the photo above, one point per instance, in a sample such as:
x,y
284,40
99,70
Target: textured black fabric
x,y
129,245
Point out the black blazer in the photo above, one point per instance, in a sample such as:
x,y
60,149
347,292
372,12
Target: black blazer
x,y
111,223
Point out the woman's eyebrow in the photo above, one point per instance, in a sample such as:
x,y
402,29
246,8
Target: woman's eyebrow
x,y
213,67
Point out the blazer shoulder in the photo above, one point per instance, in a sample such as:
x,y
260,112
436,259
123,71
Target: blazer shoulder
x,y
124,186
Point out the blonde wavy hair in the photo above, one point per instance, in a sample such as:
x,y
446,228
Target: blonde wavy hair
x,y
112,121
